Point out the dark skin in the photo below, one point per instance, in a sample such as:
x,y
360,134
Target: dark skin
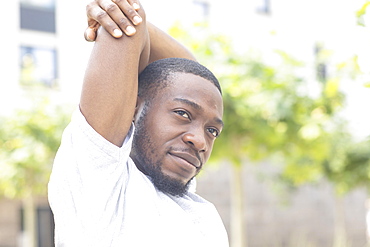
x,y
116,18
181,122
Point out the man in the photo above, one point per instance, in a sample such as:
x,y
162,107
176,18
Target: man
x,y
123,175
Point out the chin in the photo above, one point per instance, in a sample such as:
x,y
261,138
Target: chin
x,y
169,185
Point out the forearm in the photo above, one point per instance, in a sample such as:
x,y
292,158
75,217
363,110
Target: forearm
x,y
163,45
109,92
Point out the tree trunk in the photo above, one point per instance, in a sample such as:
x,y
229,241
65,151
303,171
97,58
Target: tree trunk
x,y
238,238
368,221
340,235
29,217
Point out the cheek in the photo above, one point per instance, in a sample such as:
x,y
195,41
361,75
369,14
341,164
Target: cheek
x,y
167,129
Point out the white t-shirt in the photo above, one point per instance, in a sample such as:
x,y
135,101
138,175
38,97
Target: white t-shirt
x,y
99,198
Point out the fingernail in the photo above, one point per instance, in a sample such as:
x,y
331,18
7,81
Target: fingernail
x,y
88,39
117,33
130,30
87,35
136,6
137,19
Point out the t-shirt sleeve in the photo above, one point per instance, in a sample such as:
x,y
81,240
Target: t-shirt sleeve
x,y
87,185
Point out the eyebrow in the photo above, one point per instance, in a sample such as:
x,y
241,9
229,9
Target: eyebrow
x,y
219,121
189,103
198,107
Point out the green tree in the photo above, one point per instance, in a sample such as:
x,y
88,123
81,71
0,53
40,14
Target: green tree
x,y
348,165
28,142
268,113
361,13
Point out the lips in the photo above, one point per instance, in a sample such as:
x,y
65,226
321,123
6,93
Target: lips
x,y
187,157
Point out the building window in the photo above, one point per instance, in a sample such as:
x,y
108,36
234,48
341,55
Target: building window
x,y
38,15
320,63
45,225
263,6
38,66
48,4
202,7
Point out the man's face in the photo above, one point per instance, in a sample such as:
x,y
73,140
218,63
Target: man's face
x,y
175,134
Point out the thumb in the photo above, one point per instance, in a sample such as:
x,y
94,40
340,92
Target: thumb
x,y
90,34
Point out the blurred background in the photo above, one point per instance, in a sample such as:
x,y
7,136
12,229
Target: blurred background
x,y
292,166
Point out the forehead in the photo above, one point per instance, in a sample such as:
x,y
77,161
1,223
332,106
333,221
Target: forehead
x,y
196,89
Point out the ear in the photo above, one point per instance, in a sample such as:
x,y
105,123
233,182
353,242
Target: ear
x,y
138,109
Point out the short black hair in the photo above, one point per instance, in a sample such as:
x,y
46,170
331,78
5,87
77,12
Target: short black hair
x,y
154,76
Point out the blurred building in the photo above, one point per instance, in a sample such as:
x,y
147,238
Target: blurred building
x,y
42,48
28,62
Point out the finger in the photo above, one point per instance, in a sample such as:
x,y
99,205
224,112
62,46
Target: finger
x,y
98,16
112,15
129,10
90,34
91,31
135,4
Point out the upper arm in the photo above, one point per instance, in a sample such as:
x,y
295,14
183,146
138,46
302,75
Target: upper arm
x,y
109,92
163,45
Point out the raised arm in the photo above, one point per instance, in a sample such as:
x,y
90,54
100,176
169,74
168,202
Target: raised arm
x,y
110,85
112,17
163,45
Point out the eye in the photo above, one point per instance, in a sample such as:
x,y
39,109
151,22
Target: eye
x,y
213,132
183,114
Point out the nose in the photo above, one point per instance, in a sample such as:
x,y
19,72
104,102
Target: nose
x,y
196,140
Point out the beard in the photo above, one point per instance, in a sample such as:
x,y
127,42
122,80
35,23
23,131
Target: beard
x,y
149,162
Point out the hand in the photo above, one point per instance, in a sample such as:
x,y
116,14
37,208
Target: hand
x,y
114,15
